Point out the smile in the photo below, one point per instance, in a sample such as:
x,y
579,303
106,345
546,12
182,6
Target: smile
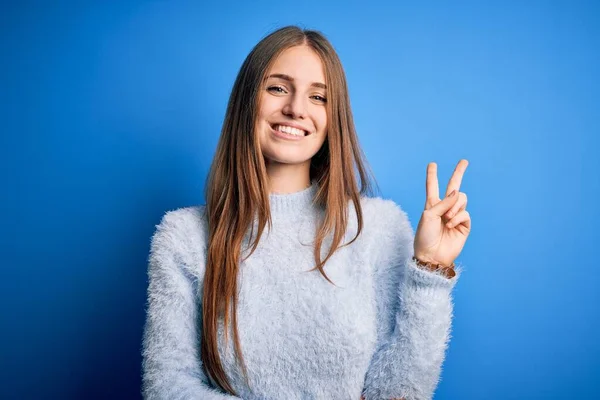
x,y
287,131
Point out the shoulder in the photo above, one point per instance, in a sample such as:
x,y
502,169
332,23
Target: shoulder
x,y
181,226
181,235
183,221
389,231
385,215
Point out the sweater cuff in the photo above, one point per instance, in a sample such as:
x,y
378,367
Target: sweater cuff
x,y
423,278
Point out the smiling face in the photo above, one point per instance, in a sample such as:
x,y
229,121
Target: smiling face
x,y
292,119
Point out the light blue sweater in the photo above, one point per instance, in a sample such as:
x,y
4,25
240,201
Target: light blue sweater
x,y
382,331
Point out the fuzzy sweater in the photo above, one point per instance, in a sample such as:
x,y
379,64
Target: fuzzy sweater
x,y
381,331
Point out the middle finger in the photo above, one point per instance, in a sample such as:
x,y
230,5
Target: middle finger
x,y
456,179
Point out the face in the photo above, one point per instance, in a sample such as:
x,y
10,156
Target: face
x,y
292,118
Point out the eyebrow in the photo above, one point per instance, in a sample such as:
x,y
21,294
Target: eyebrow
x,y
290,79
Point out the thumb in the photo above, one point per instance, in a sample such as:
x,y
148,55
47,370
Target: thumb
x,y
443,206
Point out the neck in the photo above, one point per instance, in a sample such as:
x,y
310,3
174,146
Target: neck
x,y
288,178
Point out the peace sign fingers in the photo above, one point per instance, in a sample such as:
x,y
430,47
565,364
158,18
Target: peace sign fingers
x,y
444,224
457,176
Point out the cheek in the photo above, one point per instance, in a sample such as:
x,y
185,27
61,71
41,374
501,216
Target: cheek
x,y
322,121
268,105
264,113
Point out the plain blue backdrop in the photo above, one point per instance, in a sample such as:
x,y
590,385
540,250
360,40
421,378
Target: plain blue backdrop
x,y
111,112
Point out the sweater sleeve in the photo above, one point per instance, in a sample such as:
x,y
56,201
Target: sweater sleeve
x,y
416,307
171,363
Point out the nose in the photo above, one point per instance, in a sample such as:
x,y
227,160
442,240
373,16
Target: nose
x,y
295,107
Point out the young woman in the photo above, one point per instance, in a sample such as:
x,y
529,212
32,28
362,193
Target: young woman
x,y
291,282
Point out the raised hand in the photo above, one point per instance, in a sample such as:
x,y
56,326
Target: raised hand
x,y
445,224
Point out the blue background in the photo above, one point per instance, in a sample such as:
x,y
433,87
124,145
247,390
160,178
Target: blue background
x,y
111,113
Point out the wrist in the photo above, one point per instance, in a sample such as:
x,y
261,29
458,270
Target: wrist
x,y
425,258
445,270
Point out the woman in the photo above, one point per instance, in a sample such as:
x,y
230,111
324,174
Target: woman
x,y
291,282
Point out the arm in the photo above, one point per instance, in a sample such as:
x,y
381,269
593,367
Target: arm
x,y
171,365
416,308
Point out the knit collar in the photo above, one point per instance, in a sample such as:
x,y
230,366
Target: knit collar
x,y
292,204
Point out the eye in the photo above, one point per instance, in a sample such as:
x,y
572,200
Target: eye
x,y
319,98
276,89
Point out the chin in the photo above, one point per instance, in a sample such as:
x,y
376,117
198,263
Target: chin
x,y
285,154
287,159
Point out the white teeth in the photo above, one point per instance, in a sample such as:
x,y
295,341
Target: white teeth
x,y
289,130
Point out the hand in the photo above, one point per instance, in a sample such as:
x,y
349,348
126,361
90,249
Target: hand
x,y
445,224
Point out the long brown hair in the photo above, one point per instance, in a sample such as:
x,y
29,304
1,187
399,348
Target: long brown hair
x,y
237,190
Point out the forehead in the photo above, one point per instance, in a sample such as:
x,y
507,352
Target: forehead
x,y
301,63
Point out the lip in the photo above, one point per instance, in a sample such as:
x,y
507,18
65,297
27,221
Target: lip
x,y
293,125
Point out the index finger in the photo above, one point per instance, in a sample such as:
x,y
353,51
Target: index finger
x,y
456,179
431,185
